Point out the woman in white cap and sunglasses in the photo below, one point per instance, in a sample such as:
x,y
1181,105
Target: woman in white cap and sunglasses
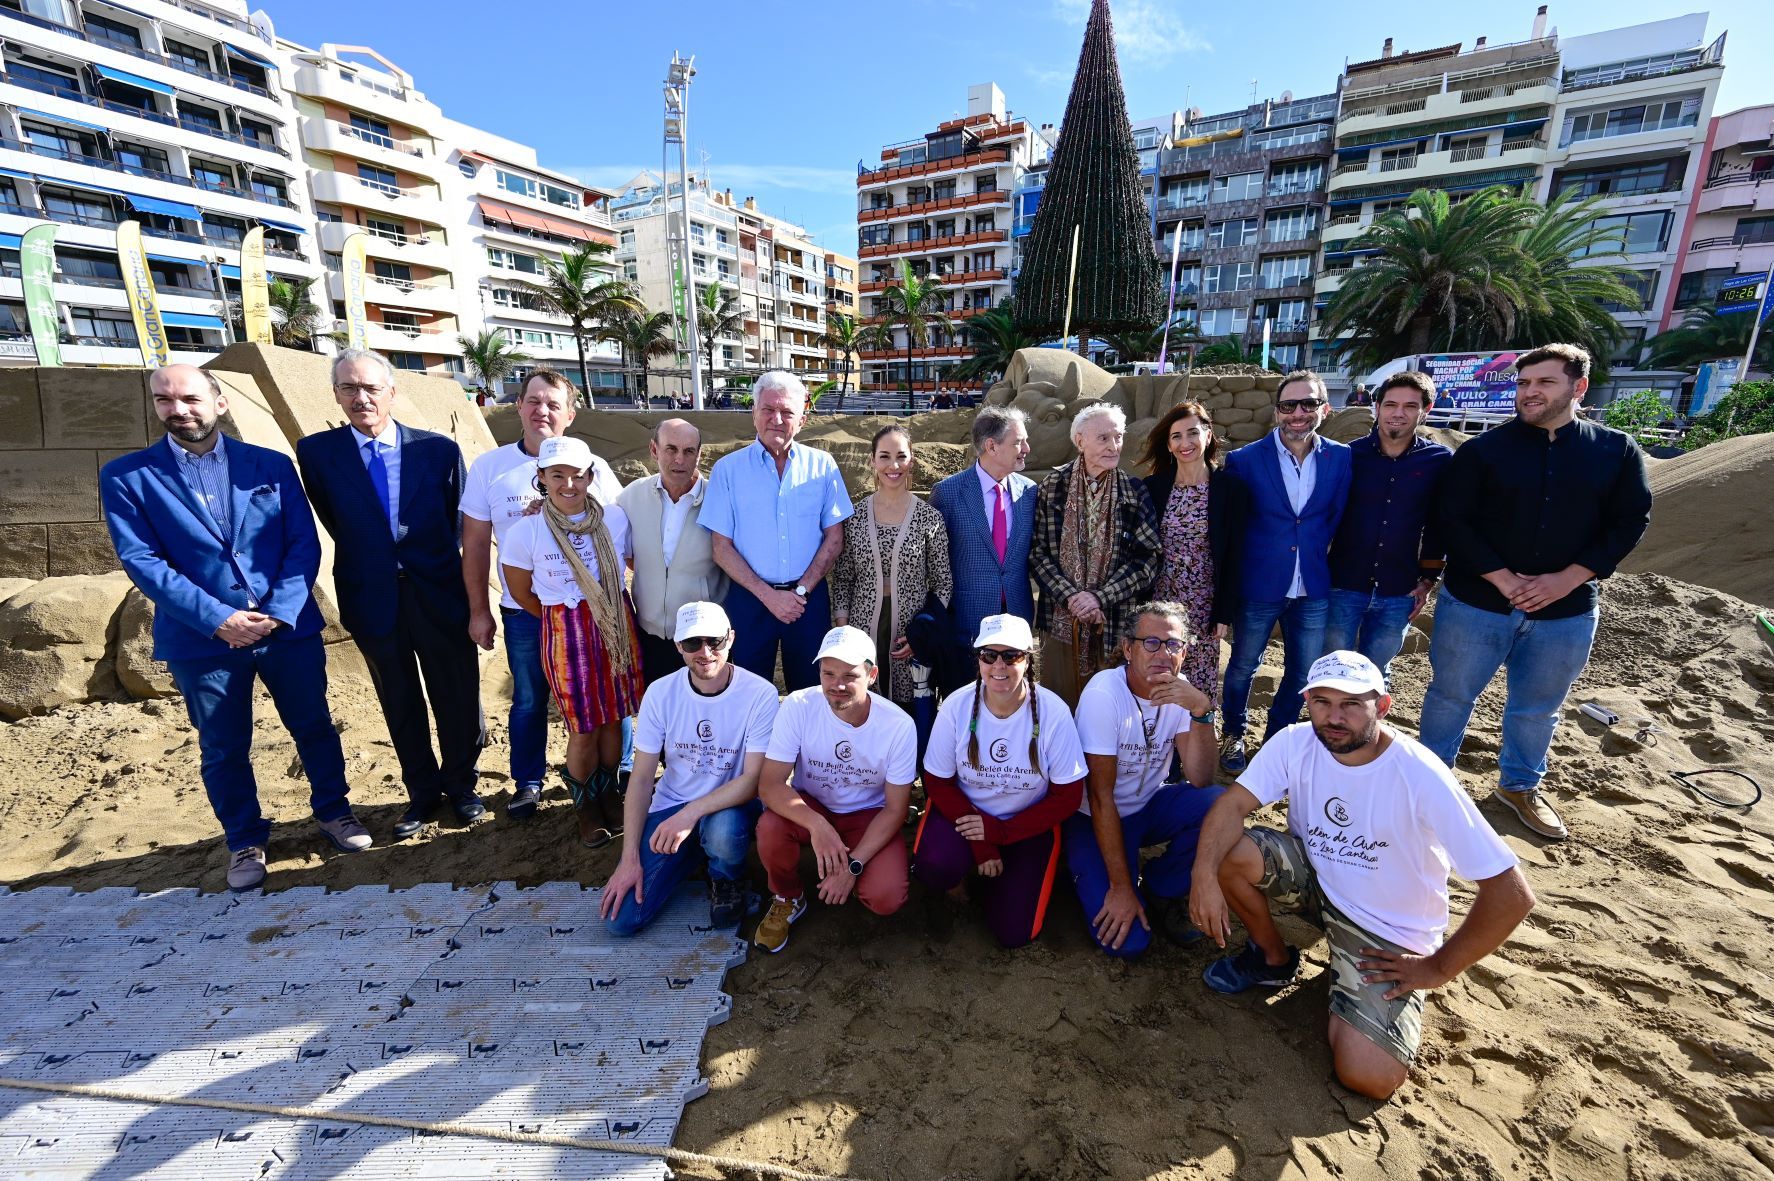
x,y
565,565
1003,770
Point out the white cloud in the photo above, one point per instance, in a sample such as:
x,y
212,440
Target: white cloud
x,y
1146,31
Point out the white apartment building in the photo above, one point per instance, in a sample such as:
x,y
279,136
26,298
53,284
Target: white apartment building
x,y
170,114
943,204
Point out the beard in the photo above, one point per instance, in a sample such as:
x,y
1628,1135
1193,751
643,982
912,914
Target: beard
x,y
191,431
1350,741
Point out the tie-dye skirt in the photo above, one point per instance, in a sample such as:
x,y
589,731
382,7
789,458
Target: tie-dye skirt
x,y
587,689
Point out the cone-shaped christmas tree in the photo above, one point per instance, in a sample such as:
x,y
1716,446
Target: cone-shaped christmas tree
x,y
1094,184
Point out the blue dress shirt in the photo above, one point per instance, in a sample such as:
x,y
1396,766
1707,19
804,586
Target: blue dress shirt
x,y
776,522
207,477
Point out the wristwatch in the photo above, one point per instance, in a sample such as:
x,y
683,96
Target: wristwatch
x,y
801,590
855,868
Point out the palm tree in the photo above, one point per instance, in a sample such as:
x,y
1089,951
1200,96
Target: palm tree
x,y
1232,350
1704,335
577,288
643,336
718,314
916,304
295,317
491,358
843,335
995,338
1436,270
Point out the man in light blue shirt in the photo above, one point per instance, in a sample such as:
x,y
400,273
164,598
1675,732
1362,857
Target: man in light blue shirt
x,y
776,510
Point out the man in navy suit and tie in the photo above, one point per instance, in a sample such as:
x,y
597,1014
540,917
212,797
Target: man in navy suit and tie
x,y
389,495
1298,486
217,534
989,511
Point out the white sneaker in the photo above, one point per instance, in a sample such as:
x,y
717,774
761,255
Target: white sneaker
x,y
346,834
246,868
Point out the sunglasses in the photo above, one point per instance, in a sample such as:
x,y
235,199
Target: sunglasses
x,y
695,644
994,655
1153,643
1295,405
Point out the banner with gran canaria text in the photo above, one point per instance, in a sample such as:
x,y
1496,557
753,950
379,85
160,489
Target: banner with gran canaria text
x,y
357,319
36,252
144,302
255,290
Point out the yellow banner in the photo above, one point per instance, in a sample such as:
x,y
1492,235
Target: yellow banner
x,y
357,319
144,303
255,290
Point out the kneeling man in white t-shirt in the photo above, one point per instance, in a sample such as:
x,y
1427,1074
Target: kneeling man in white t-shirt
x,y
851,754
1374,821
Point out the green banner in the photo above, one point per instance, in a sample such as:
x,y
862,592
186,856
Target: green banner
x,y
36,254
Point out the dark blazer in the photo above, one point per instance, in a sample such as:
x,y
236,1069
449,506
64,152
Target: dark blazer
x,y
368,560
1274,534
196,578
1228,508
982,583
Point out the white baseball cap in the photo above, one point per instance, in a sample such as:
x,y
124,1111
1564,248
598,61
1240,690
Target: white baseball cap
x,y
698,619
1349,671
573,453
1009,631
847,644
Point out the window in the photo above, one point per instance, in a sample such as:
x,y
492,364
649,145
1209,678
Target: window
x,y
406,323
524,186
984,261
1183,194
1630,346
411,362
398,271
139,158
1286,270
916,231
944,228
41,76
1241,276
208,175
1467,147
1656,116
984,224
103,28
467,167
54,141
1239,231
384,179
1652,177
76,267
394,231
1632,233
1189,278
230,230
942,190
373,131
1300,177
1194,235
261,134
271,189
1291,225
200,117
1753,229
1240,186
1397,159
511,260
188,56
108,327
987,183
1223,321
1644,284
70,206
876,235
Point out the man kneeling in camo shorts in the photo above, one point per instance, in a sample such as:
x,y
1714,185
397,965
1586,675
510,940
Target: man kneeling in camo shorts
x,y
1373,823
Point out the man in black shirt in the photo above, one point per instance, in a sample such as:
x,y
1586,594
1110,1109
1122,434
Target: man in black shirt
x,y
1534,513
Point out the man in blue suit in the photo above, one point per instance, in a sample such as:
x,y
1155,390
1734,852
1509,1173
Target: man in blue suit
x,y
989,511
389,495
1298,484
217,534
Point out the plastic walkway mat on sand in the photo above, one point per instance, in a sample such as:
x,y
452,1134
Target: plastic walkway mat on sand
x,y
490,1006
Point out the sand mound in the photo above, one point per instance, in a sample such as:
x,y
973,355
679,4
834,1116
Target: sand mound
x,y
1710,523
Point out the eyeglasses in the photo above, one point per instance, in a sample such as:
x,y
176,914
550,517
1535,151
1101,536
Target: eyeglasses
x,y
695,644
994,655
354,388
1295,405
1153,643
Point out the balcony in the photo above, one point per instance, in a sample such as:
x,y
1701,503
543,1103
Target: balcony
x,y
44,152
344,189
1728,250
951,279
423,250
925,245
342,139
1738,194
148,114
1476,96
107,40
1437,165
366,95
888,173
934,205
432,295
400,338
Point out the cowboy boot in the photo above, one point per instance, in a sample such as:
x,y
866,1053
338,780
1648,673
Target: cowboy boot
x,y
587,815
608,794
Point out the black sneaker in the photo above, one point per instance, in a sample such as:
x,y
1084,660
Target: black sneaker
x,y
1233,974
525,799
1232,757
726,903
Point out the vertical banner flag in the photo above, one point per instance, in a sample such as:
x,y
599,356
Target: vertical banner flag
x,y
255,289
1267,324
1170,312
357,320
36,252
144,303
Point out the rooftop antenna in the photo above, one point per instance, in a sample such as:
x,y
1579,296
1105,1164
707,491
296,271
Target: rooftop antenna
x,y
1253,91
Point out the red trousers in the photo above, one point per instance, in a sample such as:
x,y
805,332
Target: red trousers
x,y
885,880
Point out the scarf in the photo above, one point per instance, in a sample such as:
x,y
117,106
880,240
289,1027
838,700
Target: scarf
x,y
603,595
1086,530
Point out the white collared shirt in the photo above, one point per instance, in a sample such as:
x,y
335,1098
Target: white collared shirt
x,y
674,515
1300,478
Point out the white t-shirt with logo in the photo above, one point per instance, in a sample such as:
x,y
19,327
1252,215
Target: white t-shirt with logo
x,y
702,740
1382,837
529,545
847,768
1141,736
1004,784
501,484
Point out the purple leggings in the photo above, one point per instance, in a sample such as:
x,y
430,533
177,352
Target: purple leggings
x,y
1016,900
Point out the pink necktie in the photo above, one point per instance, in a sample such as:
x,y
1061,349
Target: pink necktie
x,y
1000,527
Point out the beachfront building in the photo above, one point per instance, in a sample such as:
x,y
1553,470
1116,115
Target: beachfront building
x,y
1634,106
512,218
170,115
379,164
1240,196
791,309
840,297
942,203
1730,228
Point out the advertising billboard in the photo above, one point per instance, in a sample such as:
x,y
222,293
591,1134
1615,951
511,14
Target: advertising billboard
x,y
1472,381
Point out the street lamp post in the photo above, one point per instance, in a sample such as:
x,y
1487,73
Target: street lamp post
x,y
677,123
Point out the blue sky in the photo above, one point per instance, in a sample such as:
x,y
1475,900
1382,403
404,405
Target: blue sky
x,y
790,94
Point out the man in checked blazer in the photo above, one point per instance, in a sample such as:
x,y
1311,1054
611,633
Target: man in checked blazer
x,y
989,511
389,494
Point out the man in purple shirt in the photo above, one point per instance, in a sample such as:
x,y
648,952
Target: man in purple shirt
x,y
1387,554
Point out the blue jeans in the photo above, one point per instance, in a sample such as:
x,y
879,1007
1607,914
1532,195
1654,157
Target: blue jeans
x,y
219,699
757,633
722,838
1174,814
1302,637
1544,658
1367,622
528,720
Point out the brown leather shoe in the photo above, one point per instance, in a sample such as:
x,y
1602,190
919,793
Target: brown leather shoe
x,y
1531,808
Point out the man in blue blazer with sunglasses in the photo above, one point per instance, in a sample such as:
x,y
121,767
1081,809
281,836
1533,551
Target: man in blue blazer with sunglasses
x,y
1298,483
218,535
